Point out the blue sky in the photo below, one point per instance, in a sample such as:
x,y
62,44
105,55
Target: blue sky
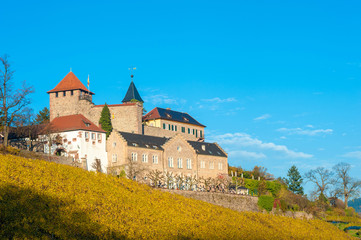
x,y
276,82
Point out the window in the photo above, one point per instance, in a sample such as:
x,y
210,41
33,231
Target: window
x,y
114,144
155,159
193,131
114,158
189,131
220,166
99,136
201,133
203,164
172,127
93,136
175,128
189,163
64,93
180,163
211,165
170,162
134,157
86,134
179,148
56,94
169,128
72,92
183,129
196,133
145,158
164,126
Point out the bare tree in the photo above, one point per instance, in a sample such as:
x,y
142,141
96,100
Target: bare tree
x,y
169,179
155,176
349,187
97,165
321,177
12,101
134,169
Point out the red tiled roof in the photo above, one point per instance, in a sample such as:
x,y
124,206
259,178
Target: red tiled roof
x,y
73,122
69,82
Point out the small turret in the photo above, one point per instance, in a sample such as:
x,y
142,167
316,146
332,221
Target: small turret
x,y
132,93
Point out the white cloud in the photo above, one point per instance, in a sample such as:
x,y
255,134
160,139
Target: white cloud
x,y
246,154
219,100
283,137
310,126
163,99
355,154
234,141
263,117
308,132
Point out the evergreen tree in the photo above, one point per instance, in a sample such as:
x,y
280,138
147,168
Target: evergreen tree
x,y
105,122
294,180
43,116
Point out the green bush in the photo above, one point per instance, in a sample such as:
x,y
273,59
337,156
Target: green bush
x,y
266,202
350,212
274,187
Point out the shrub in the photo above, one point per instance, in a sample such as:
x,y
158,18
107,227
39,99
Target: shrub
x,y
350,212
10,150
266,202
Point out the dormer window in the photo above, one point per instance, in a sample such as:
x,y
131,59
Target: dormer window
x,y
210,152
185,119
155,147
168,115
147,145
135,145
87,124
204,147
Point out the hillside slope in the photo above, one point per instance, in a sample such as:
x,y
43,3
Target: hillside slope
x,y
45,200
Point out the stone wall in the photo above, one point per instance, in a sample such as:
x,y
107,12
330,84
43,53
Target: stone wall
x,y
125,117
235,202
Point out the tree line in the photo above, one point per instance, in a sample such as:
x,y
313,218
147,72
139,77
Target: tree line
x,y
328,184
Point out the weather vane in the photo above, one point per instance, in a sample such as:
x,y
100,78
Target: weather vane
x,y
131,69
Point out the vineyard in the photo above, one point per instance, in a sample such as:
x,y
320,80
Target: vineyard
x,y
43,200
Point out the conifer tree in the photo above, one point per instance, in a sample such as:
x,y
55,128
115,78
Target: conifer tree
x,y
105,122
294,180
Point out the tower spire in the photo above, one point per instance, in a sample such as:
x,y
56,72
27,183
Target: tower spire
x,y
131,69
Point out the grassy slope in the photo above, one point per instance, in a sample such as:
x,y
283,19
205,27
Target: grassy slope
x,y
39,199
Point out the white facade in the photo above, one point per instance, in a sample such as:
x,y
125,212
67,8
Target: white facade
x,y
84,146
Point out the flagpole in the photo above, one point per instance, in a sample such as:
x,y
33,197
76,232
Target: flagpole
x,y
88,85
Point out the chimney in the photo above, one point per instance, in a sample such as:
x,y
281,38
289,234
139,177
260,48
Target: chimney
x,y
167,109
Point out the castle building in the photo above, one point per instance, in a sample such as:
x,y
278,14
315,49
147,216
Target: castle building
x,y
163,139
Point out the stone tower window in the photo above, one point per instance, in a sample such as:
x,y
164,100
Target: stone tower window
x,y
56,94
64,93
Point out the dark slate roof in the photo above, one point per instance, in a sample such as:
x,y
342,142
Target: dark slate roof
x,y
210,149
132,93
144,141
167,114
